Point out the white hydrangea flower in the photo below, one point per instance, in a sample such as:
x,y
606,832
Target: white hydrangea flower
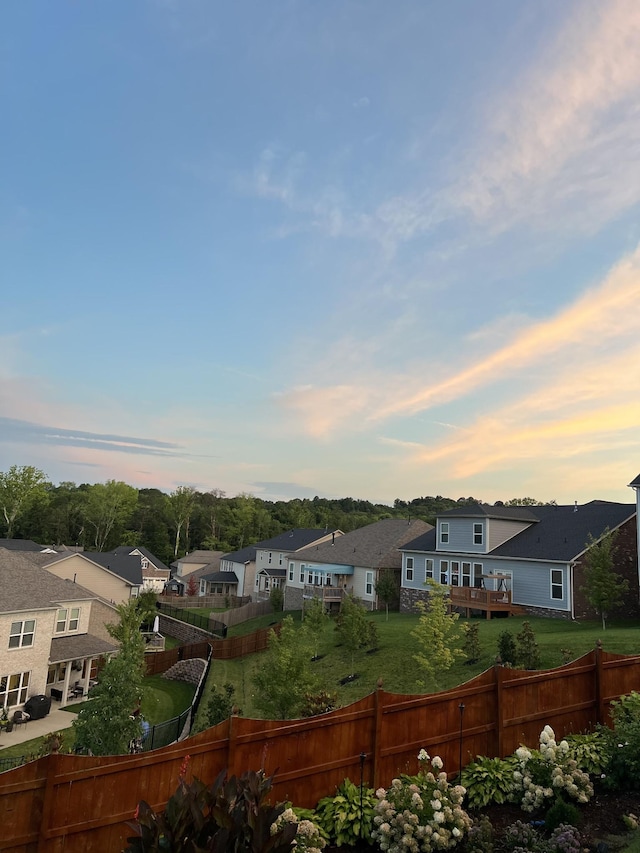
x,y
437,763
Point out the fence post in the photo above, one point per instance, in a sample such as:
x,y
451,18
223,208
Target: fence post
x,y
51,764
498,671
599,687
377,734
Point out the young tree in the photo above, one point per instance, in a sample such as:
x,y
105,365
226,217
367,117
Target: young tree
x,y
20,486
437,634
220,704
106,725
528,652
472,642
604,589
507,648
387,589
353,626
284,675
192,586
276,599
314,620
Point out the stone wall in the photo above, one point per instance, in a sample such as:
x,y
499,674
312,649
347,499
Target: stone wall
x,y
186,670
409,597
293,598
181,630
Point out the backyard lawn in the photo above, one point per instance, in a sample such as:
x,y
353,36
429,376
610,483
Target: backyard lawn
x,y
393,661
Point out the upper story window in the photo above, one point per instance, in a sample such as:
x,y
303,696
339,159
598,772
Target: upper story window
x,y
444,532
280,560
67,619
21,633
302,567
409,568
478,533
269,557
291,569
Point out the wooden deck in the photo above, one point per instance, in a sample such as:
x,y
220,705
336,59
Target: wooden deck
x,y
489,601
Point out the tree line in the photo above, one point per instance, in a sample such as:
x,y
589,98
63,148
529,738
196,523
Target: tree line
x,y
101,516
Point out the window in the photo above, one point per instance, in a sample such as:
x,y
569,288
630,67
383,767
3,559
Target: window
x,y
13,689
309,576
444,532
269,557
368,587
557,584
409,568
466,574
67,619
428,569
444,571
477,574
301,572
280,560
477,533
455,573
21,633
291,569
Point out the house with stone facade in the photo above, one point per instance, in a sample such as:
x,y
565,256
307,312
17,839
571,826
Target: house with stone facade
x,y
349,564
52,631
527,557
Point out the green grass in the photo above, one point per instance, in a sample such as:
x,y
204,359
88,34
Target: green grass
x,y
162,700
394,664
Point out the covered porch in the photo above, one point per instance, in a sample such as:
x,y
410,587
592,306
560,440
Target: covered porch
x,y
73,665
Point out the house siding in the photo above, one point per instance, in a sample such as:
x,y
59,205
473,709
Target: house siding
x,y
32,659
625,564
78,569
499,530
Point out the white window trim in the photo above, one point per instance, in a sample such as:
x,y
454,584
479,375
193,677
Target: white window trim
x,y
553,584
292,568
478,534
21,689
368,583
428,569
68,619
444,532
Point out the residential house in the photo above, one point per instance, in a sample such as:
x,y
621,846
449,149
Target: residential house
x,y
248,563
155,574
192,562
350,563
530,557
52,631
113,577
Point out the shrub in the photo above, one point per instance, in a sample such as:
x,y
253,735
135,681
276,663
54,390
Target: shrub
x,y
507,648
521,836
471,645
341,816
309,837
528,653
488,780
589,751
622,771
561,813
422,812
318,703
230,814
220,705
480,837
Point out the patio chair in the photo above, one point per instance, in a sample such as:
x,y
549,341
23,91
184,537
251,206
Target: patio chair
x,y
20,718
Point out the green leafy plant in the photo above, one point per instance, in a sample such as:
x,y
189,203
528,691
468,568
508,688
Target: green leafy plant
x,y
589,751
622,770
561,813
507,648
471,645
310,837
480,836
319,703
230,814
488,780
528,653
342,818
220,704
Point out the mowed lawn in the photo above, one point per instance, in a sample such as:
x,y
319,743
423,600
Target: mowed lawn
x,y
393,661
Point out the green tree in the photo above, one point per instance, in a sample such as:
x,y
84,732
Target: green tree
x,y
353,626
20,487
181,504
507,648
106,725
284,675
472,642
604,589
108,508
314,620
220,704
528,652
276,599
387,589
437,634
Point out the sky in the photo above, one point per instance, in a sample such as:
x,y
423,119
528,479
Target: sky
x,y
348,248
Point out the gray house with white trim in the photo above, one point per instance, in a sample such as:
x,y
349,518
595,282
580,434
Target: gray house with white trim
x,y
533,553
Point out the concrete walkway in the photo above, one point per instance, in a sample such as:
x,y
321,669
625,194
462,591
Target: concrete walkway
x,y
55,721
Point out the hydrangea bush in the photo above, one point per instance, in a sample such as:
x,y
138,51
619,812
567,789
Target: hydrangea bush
x,y
308,839
549,772
420,813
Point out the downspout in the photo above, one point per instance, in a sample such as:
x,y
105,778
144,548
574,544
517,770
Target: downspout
x,y
571,578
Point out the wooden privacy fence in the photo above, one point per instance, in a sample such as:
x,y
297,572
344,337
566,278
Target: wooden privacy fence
x,y
231,647
159,662
79,804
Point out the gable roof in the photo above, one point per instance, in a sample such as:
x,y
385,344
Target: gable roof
x,y
635,483
499,511
560,533
21,545
220,577
131,550
125,566
374,546
287,543
26,585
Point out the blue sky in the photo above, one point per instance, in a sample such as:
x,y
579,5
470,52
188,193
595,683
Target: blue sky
x,y
341,248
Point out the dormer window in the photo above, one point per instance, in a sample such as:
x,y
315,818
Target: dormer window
x,y
444,532
478,533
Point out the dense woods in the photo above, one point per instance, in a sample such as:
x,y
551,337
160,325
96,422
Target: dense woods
x,y
103,515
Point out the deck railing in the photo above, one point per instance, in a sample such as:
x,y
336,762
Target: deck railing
x,y
326,593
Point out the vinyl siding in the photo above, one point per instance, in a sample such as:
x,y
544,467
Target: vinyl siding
x,y
500,531
92,577
531,583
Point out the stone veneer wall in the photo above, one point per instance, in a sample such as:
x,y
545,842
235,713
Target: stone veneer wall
x,y
293,598
181,630
186,670
409,597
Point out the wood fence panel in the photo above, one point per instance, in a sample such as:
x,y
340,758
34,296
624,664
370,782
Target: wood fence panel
x,y
80,804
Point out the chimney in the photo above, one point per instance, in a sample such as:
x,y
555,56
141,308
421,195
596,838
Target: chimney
x,y
333,538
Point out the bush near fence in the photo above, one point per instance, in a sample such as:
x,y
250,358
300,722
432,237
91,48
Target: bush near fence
x,y
83,803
